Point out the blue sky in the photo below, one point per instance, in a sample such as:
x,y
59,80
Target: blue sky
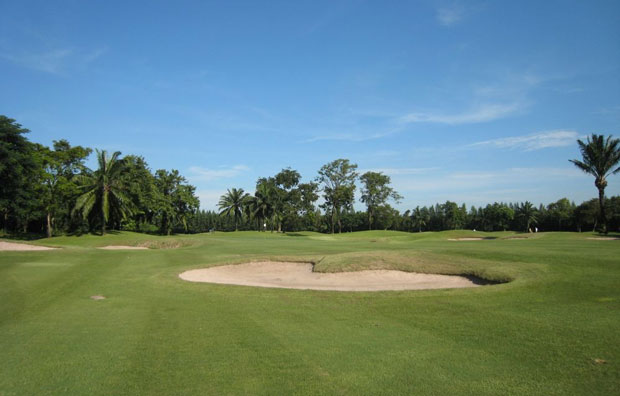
x,y
469,101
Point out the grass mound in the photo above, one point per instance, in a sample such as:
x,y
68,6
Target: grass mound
x,y
416,261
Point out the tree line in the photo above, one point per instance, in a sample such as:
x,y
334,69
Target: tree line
x,y
52,191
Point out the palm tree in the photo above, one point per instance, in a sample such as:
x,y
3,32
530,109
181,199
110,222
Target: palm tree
x,y
232,203
261,204
600,155
527,212
104,189
419,218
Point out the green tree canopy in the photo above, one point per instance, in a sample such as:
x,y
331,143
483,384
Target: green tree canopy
x,y
600,156
233,203
338,182
376,192
105,190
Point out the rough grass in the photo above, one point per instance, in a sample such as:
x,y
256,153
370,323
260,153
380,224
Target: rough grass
x,y
552,330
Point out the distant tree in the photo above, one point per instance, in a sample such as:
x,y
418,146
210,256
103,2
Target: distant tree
x,y
453,216
388,218
559,213
376,191
338,181
176,200
288,198
600,156
59,168
613,211
526,212
260,205
497,217
586,215
232,204
419,218
17,167
104,190
143,192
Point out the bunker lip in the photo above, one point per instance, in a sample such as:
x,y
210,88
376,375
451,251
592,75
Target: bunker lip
x,y
472,239
12,246
122,247
289,275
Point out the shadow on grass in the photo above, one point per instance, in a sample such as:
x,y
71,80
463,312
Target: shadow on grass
x,y
476,280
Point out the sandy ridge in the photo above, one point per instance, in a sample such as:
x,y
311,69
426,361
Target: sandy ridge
x,y
123,247
11,246
300,276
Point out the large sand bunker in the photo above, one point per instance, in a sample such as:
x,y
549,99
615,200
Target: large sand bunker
x,y
11,246
300,276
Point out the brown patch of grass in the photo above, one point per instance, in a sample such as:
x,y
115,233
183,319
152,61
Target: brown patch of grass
x,y
164,244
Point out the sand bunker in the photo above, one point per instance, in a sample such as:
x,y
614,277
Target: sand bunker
x,y
121,247
605,239
301,276
467,239
10,246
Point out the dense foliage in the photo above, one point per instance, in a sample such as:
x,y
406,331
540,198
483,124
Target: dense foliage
x,y
51,191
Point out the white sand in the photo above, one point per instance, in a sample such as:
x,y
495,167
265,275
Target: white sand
x,y
122,247
300,276
605,239
10,246
466,239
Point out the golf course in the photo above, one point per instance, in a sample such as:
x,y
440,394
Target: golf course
x,y
78,319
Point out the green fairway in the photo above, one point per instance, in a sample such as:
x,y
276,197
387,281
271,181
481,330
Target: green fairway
x,y
553,329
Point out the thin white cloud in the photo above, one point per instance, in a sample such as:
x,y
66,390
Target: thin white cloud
x,y
209,198
349,137
479,114
53,61
458,182
400,171
203,174
538,141
450,15
46,61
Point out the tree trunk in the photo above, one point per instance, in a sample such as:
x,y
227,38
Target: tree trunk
x,y
332,219
49,225
369,220
601,202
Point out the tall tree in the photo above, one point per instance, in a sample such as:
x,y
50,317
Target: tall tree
x,y
143,192
338,180
232,204
59,168
376,191
17,166
104,189
176,200
526,212
420,217
260,204
600,156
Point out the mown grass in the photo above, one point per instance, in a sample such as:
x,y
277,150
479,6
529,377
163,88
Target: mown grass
x,y
155,334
